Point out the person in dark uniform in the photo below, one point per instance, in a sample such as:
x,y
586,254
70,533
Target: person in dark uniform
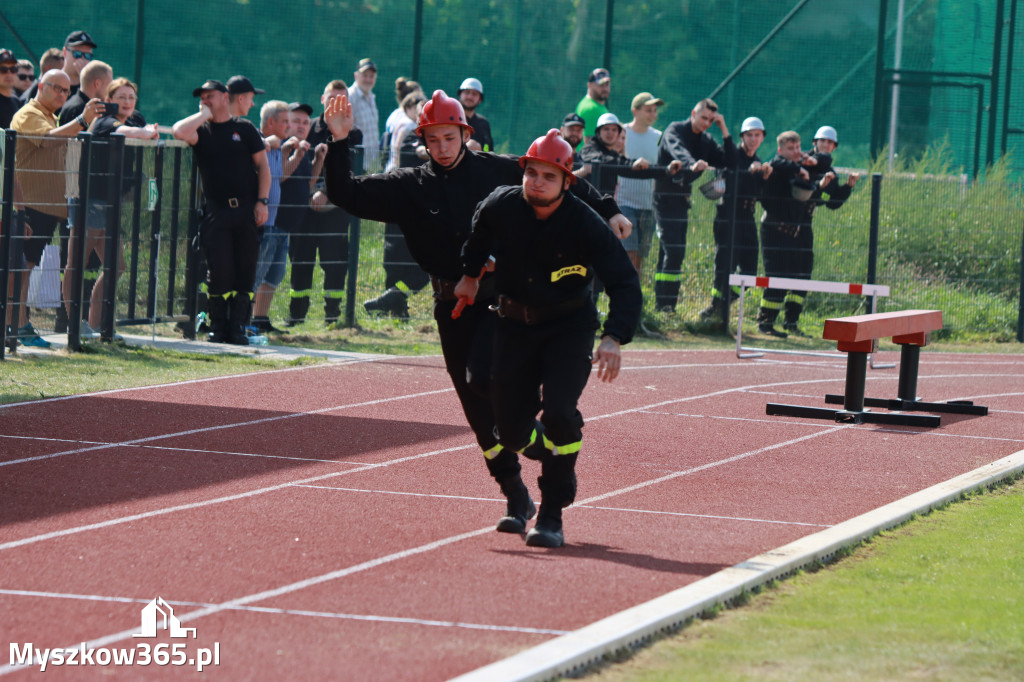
x,y
686,141
324,230
471,96
433,204
827,192
548,246
735,228
232,163
598,149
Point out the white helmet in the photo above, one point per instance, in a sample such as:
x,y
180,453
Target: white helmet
x,y
607,119
827,133
472,84
752,123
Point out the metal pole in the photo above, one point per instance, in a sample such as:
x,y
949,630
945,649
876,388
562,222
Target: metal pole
x,y
76,256
116,178
417,40
354,231
140,16
897,63
1020,292
1009,72
876,205
609,22
876,114
154,232
760,46
993,111
7,219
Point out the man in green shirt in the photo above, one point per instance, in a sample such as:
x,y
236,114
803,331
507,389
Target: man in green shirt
x,y
595,102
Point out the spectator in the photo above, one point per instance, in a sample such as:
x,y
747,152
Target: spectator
x,y
364,107
297,187
232,163
572,132
39,164
95,78
53,58
77,53
828,192
544,336
26,77
242,94
636,195
273,255
471,95
595,102
324,230
686,141
402,277
9,103
403,87
124,94
600,150
735,229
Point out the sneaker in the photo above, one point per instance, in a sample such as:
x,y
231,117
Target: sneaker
x,y
28,336
85,332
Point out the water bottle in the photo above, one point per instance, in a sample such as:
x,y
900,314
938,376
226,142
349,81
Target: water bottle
x,y
258,340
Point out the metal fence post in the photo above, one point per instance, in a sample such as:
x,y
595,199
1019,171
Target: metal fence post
x,y
351,275
76,256
7,220
876,201
115,177
1020,292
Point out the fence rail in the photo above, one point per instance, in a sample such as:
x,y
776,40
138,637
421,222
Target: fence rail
x,y
938,241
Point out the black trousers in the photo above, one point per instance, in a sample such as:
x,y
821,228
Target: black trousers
x,y
232,245
735,249
787,251
467,346
399,265
325,233
672,212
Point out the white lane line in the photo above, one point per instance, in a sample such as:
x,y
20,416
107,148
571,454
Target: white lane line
x,y
294,612
217,500
232,425
703,516
398,492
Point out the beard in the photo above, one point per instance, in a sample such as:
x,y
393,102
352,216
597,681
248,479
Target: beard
x,y
541,202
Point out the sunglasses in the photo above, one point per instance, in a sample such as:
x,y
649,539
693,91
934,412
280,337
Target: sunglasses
x,y
8,69
78,54
27,76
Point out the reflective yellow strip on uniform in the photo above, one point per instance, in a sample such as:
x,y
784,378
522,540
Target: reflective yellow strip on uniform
x,y
334,293
302,293
668,277
403,287
794,298
567,449
493,452
770,305
570,270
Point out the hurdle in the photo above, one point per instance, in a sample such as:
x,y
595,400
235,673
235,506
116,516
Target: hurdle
x,y
857,336
752,281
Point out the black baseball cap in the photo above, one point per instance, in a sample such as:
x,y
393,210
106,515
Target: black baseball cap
x,y
209,85
76,38
573,119
6,56
300,106
599,76
364,64
239,84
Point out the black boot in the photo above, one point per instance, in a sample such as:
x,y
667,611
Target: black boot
x,y
792,315
393,302
298,306
558,490
766,322
218,314
241,308
520,506
547,532
716,312
332,310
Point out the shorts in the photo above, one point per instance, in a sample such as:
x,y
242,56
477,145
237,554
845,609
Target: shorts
x,y
95,214
273,257
43,226
640,238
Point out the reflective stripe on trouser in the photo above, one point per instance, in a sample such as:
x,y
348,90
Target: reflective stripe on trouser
x,y
567,449
672,211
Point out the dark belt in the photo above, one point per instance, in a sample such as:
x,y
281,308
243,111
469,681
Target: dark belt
x,y
444,289
535,314
230,202
788,229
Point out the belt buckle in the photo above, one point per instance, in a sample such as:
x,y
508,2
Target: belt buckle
x,y
233,202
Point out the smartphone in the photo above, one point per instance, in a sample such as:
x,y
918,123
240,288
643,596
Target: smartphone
x,y
111,108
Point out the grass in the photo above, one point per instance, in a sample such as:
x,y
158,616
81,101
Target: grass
x,y
941,598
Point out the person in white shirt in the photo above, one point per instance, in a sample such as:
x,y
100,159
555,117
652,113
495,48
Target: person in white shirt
x,y
635,196
364,109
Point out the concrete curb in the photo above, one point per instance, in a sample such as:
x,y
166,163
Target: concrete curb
x,y
571,653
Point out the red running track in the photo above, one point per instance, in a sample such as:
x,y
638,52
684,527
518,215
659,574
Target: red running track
x,y
335,522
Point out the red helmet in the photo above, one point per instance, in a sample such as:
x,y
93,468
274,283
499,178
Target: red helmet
x,y
551,149
442,110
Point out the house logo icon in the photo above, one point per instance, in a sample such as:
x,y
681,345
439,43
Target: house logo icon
x,y
151,613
